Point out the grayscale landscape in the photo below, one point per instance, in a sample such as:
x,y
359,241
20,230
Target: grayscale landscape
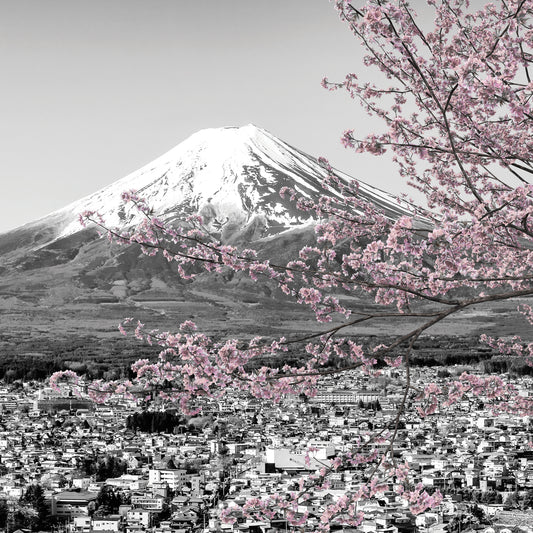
x,y
264,419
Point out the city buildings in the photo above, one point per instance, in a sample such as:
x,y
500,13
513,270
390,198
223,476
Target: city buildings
x,y
97,474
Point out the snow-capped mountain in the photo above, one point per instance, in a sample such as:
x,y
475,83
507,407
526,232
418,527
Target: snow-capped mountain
x,y
230,176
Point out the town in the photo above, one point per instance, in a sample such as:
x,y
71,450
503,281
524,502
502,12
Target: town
x,y
69,465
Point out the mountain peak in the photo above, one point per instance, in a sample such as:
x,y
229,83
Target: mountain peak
x,y
229,134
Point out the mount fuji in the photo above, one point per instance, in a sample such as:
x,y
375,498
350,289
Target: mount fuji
x,y
232,176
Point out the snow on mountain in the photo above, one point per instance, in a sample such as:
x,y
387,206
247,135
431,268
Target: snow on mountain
x,y
231,176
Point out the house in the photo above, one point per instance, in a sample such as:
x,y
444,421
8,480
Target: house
x,y
283,459
146,501
139,517
107,523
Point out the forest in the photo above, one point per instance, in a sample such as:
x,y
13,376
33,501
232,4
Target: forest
x,y
112,358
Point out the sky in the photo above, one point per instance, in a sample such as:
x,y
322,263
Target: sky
x,y
94,89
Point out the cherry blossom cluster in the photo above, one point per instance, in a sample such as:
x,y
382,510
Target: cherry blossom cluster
x,y
502,397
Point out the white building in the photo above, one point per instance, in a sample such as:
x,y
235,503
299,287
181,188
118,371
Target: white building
x,y
139,517
174,478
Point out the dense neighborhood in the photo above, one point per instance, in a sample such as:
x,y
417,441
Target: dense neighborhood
x,y
69,465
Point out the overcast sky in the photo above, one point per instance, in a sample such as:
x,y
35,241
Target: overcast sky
x,y
93,89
